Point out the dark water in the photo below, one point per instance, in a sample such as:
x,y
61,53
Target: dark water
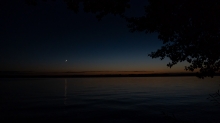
x,y
111,100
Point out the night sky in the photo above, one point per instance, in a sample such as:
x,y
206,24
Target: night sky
x,y
42,37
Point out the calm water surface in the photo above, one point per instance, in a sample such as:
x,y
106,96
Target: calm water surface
x,y
113,100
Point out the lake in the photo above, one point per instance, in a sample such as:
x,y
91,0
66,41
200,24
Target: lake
x,y
110,99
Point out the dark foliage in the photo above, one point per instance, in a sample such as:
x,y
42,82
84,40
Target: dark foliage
x,y
98,7
189,29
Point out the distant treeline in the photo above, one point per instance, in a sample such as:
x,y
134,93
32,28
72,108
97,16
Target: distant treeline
x,y
102,75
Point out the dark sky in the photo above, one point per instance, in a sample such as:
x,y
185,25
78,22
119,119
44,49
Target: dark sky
x,y
42,37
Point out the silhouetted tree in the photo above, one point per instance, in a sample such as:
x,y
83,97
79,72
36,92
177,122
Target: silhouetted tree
x,y
98,7
189,29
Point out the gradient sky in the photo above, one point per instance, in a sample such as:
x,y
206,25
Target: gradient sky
x,y
42,37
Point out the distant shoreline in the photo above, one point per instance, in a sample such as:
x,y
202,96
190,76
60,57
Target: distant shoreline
x,y
103,75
